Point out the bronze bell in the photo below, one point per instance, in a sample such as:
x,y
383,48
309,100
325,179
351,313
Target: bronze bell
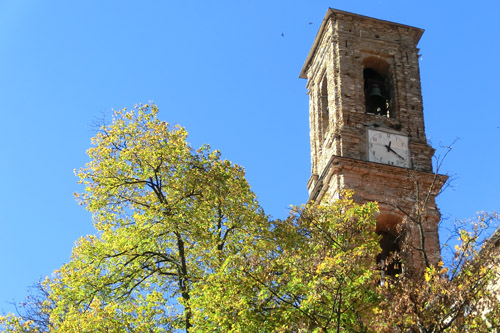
x,y
376,101
375,93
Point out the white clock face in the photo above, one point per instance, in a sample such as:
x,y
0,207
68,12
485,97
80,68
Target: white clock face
x,y
388,148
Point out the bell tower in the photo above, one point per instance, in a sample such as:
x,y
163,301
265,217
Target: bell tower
x,y
367,126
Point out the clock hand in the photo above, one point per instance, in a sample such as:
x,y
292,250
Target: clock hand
x,y
389,149
401,157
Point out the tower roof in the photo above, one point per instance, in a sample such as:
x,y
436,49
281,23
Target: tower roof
x,y
331,12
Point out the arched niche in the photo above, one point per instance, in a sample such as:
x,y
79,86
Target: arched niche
x,y
390,243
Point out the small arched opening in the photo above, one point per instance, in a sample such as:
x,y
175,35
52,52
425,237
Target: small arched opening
x,y
324,110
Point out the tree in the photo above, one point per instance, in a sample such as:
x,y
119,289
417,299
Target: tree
x,y
314,271
456,297
166,217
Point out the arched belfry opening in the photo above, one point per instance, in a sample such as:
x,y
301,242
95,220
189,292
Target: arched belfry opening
x,y
389,259
378,87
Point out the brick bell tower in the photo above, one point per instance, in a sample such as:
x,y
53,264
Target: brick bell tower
x,y
367,127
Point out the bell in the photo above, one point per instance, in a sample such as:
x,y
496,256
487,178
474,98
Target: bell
x,y
375,93
376,101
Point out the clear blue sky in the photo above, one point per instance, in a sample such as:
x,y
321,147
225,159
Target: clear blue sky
x,y
224,71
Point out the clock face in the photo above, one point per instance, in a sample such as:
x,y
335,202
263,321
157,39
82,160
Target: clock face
x,y
388,148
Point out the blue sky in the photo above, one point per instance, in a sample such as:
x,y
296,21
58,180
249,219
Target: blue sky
x,y
224,71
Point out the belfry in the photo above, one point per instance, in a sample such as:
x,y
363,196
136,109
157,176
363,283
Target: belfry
x,y
367,127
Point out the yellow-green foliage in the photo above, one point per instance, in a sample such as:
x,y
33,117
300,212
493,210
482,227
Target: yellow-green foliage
x,y
182,244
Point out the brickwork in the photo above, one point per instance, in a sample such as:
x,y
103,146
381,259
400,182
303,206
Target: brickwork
x,y
346,46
